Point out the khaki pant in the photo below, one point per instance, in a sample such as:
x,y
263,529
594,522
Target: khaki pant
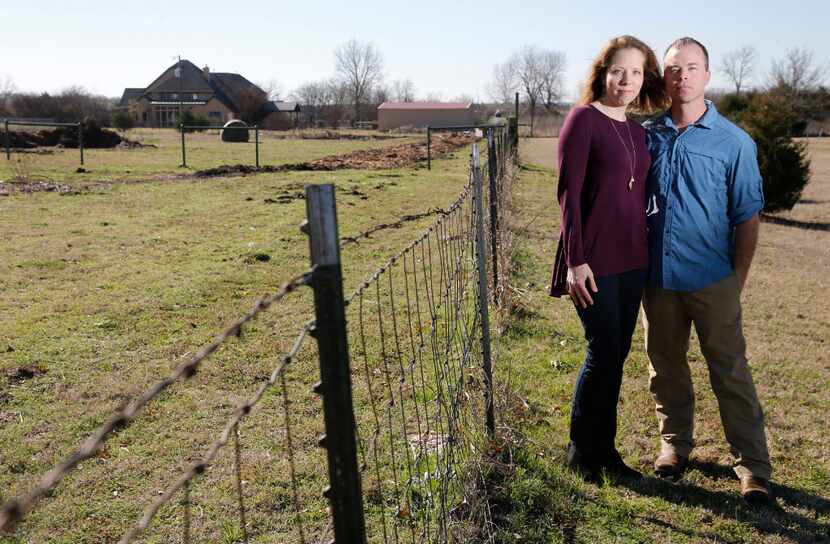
x,y
715,312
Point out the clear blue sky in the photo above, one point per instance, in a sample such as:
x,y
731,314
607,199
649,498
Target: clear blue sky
x,y
446,48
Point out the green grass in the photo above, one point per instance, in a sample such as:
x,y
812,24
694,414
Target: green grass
x,y
543,348
203,150
104,291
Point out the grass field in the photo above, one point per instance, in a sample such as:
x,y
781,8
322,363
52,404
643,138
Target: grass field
x,y
787,325
203,149
103,291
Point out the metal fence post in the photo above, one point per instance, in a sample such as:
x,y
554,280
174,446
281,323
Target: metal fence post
x,y
8,140
256,140
513,136
481,264
492,167
184,156
429,148
516,107
335,381
81,140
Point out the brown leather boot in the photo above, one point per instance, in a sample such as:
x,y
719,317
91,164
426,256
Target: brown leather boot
x,y
670,466
755,489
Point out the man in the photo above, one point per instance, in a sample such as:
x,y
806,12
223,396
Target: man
x,y
705,193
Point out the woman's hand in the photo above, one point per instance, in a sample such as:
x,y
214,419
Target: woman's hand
x,y
580,279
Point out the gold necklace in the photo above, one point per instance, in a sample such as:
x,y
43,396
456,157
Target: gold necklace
x,y
631,162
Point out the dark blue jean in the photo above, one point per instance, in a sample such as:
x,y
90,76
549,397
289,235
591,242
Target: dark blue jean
x,y
609,325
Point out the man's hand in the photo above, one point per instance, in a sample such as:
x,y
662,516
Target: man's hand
x,y
580,279
746,238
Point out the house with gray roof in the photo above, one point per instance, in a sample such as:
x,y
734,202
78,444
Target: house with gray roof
x,y
216,96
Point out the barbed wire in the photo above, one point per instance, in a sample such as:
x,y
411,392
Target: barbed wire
x,y
231,427
15,509
346,240
420,432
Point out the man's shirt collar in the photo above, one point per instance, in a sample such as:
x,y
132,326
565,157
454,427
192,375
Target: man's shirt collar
x,y
707,120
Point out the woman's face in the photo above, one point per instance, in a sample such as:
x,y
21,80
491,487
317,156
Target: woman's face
x,y
624,77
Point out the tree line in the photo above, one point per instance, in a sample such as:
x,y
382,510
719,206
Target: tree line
x,y
358,85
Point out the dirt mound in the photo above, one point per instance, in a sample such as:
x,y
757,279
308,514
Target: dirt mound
x,y
23,140
239,169
398,156
95,137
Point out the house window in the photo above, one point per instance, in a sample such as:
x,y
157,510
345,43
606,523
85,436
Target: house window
x,y
195,96
175,96
215,114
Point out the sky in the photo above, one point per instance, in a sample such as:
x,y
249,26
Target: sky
x,y
447,48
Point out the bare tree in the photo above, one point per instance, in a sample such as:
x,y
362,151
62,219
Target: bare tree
x,y
738,65
7,90
403,90
503,86
553,77
539,75
273,89
464,98
252,103
337,94
313,97
797,71
380,94
360,66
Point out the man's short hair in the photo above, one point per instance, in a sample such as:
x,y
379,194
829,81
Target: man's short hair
x,y
682,42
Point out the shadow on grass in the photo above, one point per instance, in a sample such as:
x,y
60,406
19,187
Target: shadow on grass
x,y
793,223
770,519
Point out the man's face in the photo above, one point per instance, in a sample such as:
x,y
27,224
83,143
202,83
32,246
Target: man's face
x,y
685,74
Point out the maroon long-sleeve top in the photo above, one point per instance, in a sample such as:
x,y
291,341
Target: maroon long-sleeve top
x,y
603,222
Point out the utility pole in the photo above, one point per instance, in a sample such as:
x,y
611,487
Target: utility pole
x,y
179,70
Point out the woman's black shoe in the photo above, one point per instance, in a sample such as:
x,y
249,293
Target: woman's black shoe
x,y
581,464
616,467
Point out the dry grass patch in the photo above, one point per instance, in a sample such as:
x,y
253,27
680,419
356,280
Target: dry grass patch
x,y
102,292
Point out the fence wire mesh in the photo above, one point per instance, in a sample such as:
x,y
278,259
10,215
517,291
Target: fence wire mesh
x,y
420,404
418,382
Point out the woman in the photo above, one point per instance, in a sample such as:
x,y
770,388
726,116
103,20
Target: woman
x,y
602,256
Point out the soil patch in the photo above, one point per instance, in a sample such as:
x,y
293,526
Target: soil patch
x,y
333,135
9,187
95,137
398,156
23,373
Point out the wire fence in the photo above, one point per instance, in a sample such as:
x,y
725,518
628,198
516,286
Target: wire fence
x,y
405,382
7,143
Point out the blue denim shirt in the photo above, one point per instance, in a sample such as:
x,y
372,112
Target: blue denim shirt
x,y
702,183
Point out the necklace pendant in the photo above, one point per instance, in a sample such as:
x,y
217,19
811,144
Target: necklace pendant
x,y
631,183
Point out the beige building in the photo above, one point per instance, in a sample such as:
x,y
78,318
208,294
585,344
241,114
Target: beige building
x,y
393,115
215,96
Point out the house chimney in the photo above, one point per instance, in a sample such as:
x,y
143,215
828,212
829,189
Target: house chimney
x,y
206,71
